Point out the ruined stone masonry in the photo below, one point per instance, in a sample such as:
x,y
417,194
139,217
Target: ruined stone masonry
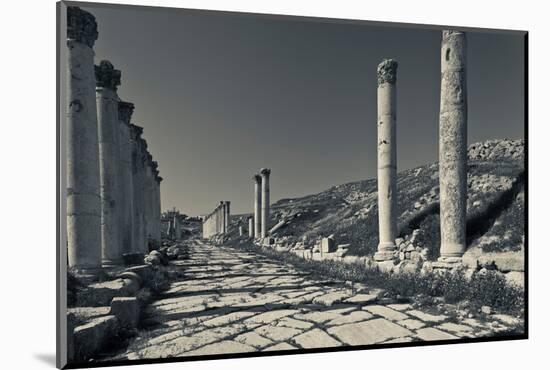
x,y
387,160
453,118
113,185
217,222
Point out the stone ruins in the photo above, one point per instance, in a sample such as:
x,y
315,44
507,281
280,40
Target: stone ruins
x,y
452,164
113,184
217,222
204,296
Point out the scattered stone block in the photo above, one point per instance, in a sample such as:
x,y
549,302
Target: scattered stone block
x,y
362,299
91,337
126,310
486,310
81,315
328,245
101,294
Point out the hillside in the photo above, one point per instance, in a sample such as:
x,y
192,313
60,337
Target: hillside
x,y
349,211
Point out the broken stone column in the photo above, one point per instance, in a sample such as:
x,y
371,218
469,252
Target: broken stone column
x,y
257,205
251,227
241,232
453,118
265,172
387,161
125,111
107,80
83,199
138,161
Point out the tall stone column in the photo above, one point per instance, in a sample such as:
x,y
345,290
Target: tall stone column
x,y
257,205
387,160
227,214
148,193
83,199
125,111
251,227
265,172
107,80
138,159
453,118
157,206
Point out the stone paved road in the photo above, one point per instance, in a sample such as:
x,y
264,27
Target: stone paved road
x,y
232,301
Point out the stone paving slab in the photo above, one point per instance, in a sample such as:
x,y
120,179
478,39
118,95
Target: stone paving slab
x,y
230,301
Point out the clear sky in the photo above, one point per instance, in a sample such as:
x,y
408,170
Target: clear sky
x,y
222,95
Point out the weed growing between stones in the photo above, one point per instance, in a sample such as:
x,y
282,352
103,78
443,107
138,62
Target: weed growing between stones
x,y
487,289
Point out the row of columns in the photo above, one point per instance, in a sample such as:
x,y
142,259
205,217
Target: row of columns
x,y
452,151
217,222
259,223
113,184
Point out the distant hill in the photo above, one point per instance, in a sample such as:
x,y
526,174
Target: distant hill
x,y
350,211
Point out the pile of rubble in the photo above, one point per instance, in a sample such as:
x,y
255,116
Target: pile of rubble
x,y
504,149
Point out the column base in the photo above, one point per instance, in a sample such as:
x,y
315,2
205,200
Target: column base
x,y
386,255
447,262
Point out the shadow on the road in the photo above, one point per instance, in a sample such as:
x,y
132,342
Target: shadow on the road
x,y
154,321
251,289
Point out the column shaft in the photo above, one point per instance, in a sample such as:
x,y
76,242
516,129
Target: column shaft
x,y
453,144
265,172
83,199
125,185
387,160
251,227
257,205
138,158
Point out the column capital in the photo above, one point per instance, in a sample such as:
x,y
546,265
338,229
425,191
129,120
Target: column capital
x,y
125,111
387,71
81,26
447,34
265,172
257,178
106,75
